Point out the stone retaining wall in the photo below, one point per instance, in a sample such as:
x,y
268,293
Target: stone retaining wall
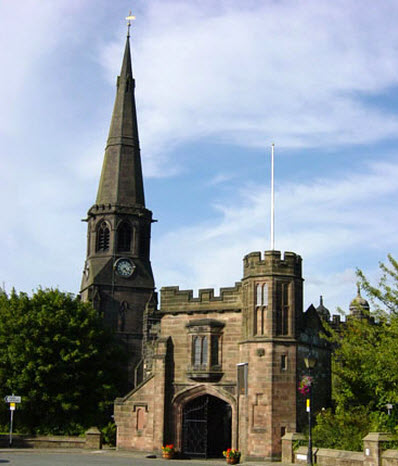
x,y
374,453
389,458
92,440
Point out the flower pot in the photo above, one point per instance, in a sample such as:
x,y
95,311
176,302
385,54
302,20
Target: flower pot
x,y
167,455
232,460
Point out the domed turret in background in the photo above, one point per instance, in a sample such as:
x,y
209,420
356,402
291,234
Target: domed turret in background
x,y
359,307
322,311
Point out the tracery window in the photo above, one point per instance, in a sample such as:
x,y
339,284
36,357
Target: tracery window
x,y
282,308
103,237
205,348
259,295
215,339
199,352
260,309
265,294
124,238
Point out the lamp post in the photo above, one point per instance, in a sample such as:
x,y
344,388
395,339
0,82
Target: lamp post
x,y
310,362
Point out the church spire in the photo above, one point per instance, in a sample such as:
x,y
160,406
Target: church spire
x,y
121,177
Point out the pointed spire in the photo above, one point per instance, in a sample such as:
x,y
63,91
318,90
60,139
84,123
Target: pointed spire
x,y
121,177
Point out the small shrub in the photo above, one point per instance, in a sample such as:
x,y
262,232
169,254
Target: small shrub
x,y
109,434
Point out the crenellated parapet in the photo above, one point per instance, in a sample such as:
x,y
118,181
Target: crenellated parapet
x,y
175,300
272,264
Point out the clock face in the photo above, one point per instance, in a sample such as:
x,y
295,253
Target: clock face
x,y
124,267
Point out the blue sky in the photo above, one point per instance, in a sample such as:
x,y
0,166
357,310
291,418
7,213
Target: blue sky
x,y
216,83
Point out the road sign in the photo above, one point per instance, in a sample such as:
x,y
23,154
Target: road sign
x,y
12,399
12,406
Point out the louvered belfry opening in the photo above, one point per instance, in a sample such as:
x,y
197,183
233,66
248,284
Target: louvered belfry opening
x,y
124,238
103,236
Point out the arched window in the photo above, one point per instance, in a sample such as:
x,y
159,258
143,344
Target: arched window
x,y
197,351
200,351
265,294
258,297
124,237
214,350
282,309
261,297
204,351
103,235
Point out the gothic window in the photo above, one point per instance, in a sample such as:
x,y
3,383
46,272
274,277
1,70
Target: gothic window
x,y
199,352
214,350
124,238
282,320
259,295
205,348
103,236
265,294
204,351
261,308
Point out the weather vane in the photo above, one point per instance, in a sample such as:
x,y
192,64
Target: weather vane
x,y
129,18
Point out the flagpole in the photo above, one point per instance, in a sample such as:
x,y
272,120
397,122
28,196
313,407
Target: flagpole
x,y
272,199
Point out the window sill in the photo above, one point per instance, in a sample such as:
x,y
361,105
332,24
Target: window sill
x,y
203,373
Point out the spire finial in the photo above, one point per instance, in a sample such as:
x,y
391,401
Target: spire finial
x,y
359,289
321,300
129,18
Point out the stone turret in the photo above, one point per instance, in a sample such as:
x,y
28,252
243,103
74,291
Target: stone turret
x,y
322,311
273,286
359,307
272,264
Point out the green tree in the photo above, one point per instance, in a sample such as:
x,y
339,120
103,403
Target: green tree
x,y
57,355
365,364
365,368
383,296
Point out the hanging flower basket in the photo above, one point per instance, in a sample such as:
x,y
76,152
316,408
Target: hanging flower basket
x,y
305,384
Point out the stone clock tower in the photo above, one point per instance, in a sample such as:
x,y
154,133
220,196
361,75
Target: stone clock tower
x,y
117,275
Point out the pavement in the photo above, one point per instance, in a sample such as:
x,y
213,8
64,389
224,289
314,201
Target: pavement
x,y
69,457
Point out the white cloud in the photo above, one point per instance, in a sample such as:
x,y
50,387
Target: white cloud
x,y
290,72
221,178
302,74
322,220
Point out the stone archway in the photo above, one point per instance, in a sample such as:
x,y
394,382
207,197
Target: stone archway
x,y
204,421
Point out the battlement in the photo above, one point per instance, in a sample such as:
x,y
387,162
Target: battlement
x,y
272,264
172,299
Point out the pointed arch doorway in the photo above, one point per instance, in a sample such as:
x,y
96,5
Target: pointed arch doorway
x,y
206,427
